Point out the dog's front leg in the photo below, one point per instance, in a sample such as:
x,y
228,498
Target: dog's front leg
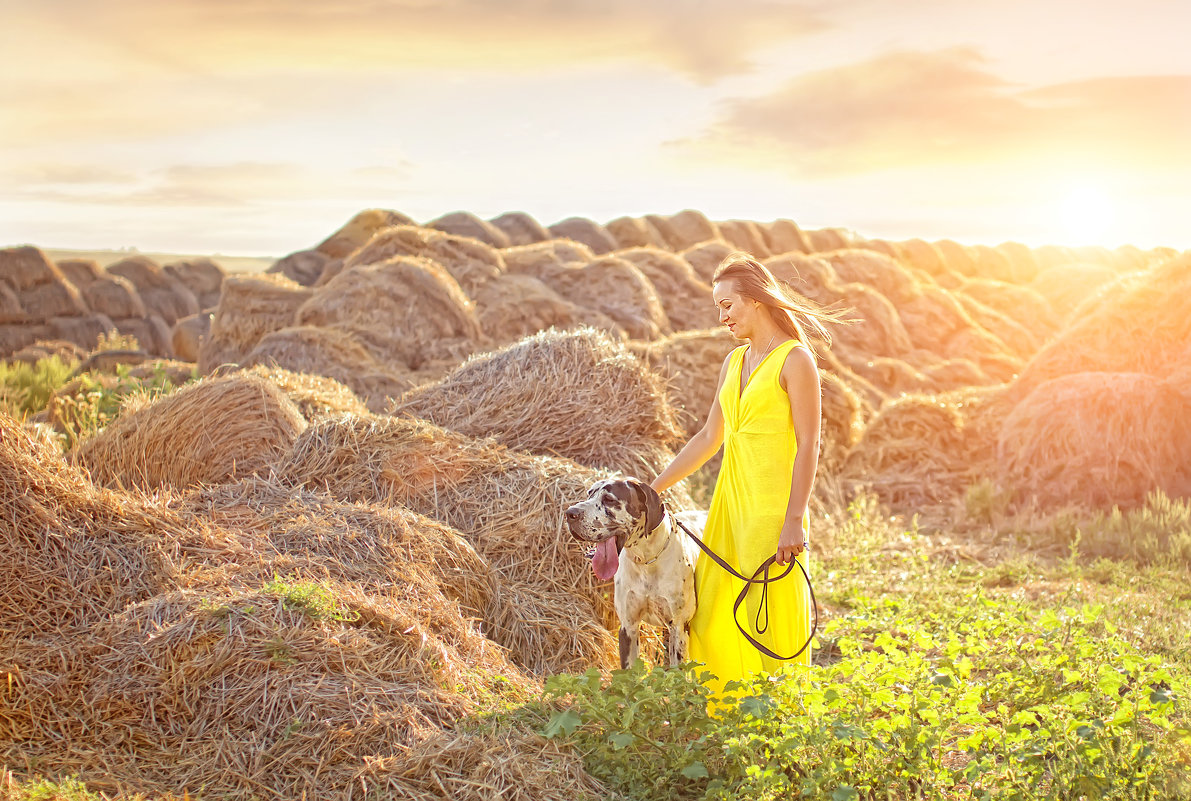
x,y
629,645
679,642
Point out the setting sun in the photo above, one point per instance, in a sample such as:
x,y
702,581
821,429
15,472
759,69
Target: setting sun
x,y
1088,216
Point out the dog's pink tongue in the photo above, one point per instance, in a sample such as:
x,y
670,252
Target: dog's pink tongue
x,y
606,560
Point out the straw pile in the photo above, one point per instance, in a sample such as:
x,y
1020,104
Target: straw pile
x,y
1023,267
684,229
784,236
359,230
161,293
1066,285
150,332
581,229
685,297
956,257
529,259
58,298
950,374
64,349
507,503
887,276
250,307
10,306
705,257
81,272
114,296
842,421
744,235
466,224
635,232
611,286
406,311
210,431
332,353
26,267
1102,439
470,262
515,306
314,395
892,376
303,267
1018,338
520,228
1144,328
1024,305
188,335
578,394
827,239
689,362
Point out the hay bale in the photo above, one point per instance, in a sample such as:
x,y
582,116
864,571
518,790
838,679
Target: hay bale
x,y
406,311
464,223
684,229
685,297
211,431
515,306
10,306
520,228
987,350
892,376
744,235
83,331
176,372
357,231
1020,340
250,307
332,353
581,229
58,298
470,262
555,393
877,270
705,257
877,329
15,337
1066,285
188,335
25,267
1144,328
989,262
113,296
1100,439
825,239
923,255
303,267
951,374
1023,267
162,293
530,259
842,420
956,257
47,348
635,232
611,286
1025,306
809,275
882,246
150,332
81,272
689,362
314,395
202,276
507,503
784,236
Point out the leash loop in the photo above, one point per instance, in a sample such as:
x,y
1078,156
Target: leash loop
x,y
764,581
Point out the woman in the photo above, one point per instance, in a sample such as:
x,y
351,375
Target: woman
x,y
766,415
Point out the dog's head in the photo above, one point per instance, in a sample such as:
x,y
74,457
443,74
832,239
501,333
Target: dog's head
x,y
615,516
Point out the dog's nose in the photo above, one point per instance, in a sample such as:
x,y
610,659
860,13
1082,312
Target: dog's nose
x,y
572,513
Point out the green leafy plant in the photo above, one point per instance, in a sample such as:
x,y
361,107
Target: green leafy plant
x,y
26,389
310,598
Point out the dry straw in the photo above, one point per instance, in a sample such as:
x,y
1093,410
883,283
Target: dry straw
x,y
211,431
1065,285
515,306
406,311
58,298
114,296
521,228
470,262
203,277
744,235
684,229
250,307
81,272
591,234
359,230
784,236
25,267
161,293
466,224
685,296
689,362
635,232
705,257
314,395
1025,306
531,259
303,266
577,394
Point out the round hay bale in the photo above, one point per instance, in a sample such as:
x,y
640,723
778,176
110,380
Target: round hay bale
x,y
1023,267
1127,258
81,272
70,553
515,306
314,395
521,228
956,257
150,332
58,298
877,270
303,267
1099,439
882,246
188,335
824,239
555,393
744,235
1024,305
470,262
809,275
1018,338
10,306
176,372
83,331
1065,286
784,236
46,348
877,330
932,317
842,420
689,362
212,431
406,311
951,374
581,229
989,262
705,257
162,293
15,337
923,255
202,276
529,259
685,297
986,349
507,503
614,287
893,376
359,230
1144,328
25,267
332,353
635,232
113,296
463,223
250,306
684,229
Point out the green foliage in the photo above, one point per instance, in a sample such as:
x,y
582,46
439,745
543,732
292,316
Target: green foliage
x,y
1157,533
68,789
26,389
95,399
310,598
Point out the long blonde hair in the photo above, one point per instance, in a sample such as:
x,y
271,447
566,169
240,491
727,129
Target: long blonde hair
x,y
793,314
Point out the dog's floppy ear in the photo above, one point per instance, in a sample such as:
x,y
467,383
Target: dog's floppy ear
x,y
649,500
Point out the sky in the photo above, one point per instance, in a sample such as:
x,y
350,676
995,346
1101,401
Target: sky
x,y
258,127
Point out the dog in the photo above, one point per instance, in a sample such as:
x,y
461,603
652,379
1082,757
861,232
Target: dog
x,y
652,561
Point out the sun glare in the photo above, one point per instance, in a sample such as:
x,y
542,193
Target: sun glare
x,y
1088,216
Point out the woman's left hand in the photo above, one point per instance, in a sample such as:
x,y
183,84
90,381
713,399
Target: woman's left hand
x,y
791,542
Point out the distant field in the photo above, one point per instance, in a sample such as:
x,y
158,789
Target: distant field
x,y
232,264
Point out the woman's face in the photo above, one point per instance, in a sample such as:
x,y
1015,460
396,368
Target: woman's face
x,y
737,312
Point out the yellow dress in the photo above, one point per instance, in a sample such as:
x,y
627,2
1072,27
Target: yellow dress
x,y
747,510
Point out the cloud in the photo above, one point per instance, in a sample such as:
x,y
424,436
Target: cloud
x,y
946,107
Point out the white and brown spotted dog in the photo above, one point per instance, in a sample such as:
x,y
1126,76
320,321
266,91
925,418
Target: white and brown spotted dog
x,y
653,561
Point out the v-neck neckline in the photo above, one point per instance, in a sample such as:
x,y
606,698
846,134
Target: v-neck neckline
x,y
744,383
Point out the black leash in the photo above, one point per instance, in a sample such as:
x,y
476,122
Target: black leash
x,y
764,581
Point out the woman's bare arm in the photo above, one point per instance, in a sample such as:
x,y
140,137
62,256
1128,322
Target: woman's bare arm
x,y
800,378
